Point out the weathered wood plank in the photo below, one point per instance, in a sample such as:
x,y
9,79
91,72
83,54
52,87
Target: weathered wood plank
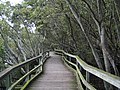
x,y
110,78
55,76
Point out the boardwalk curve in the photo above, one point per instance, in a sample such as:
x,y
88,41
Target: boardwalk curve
x,y
55,76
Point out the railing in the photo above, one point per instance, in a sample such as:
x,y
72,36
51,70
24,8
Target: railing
x,y
13,77
78,63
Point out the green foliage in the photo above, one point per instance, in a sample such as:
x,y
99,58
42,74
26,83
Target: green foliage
x,y
1,48
55,25
1,55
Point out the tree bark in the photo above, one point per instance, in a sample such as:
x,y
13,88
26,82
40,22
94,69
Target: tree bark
x,y
96,56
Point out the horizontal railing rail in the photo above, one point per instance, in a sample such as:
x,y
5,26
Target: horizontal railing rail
x,y
79,63
10,78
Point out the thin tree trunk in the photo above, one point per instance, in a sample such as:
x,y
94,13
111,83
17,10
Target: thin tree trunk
x,y
71,31
96,56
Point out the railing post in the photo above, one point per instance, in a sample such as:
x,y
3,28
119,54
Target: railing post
x,y
48,53
77,63
70,59
80,68
11,77
44,54
87,78
7,82
27,70
62,54
40,63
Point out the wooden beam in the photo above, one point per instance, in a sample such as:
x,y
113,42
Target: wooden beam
x,y
110,78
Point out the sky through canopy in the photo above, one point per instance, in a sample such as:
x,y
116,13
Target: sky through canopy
x,y
13,2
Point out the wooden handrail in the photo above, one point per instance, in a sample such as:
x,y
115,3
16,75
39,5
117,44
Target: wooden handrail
x,y
81,76
5,76
13,85
8,70
110,78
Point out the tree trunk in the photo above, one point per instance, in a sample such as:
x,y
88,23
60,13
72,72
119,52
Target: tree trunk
x,y
96,56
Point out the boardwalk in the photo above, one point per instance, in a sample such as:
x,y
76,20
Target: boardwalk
x,y
55,76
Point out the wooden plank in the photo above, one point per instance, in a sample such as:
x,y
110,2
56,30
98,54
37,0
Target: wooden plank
x,y
52,88
55,76
81,76
110,78
80,87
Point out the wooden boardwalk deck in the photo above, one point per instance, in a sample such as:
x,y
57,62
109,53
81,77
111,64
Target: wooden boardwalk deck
x,y
55,76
